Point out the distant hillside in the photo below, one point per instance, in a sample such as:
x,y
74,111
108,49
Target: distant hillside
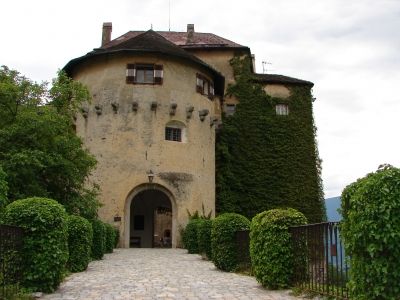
x,y
332,205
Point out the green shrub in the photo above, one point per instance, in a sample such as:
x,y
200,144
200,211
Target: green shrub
x,y
98,245
80,238
45,248
371,234
223,240
204,236
270,246
110,238
116,241
190,236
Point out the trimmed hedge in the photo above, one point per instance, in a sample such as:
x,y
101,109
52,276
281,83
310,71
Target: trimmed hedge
x,y
45,249
110,238
116,241
204,237
99,237
223,240
270,246
371,234
190,240
80,238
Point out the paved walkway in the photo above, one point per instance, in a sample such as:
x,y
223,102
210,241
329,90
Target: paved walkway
x,y
159,274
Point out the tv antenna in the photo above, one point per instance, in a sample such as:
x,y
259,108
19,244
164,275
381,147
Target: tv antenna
x,y
169,15
264,65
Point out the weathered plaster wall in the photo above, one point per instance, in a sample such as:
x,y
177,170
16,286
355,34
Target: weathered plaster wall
x,y
277,90
127,144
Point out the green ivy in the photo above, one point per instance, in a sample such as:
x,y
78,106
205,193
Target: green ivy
x,y
190,240
99,239
371,233
45,249
80,238
110,238
270,246
264,160
204,237
223,240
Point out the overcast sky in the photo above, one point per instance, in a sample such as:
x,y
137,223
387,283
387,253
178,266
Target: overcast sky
x,y
349,49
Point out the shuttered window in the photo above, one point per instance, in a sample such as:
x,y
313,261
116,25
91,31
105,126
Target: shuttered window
x,y
144,74
204,86
282,109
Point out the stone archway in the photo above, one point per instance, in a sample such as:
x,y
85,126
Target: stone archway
x,y
150,217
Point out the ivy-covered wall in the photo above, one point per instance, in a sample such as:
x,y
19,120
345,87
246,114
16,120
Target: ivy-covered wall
x,y
264,160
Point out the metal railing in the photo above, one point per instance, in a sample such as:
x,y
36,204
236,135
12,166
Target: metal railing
x,y
11,239
319,259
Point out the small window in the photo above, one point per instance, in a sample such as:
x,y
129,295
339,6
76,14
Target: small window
x,y
282,109
204,86
173,134
144,74
230,109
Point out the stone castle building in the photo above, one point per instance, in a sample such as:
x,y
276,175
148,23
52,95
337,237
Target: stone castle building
x,y
157,99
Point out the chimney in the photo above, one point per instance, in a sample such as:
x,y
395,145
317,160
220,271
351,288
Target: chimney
x,y
190,33
106,36
253,61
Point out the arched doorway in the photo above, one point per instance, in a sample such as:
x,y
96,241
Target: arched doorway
x,y
150,219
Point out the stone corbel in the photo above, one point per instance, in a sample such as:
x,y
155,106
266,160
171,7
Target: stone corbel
x,y
85,112
213,121
99,109
172,109
154,105
203,113
135,106
189,112
115,107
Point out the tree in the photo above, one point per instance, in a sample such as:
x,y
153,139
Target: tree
x,y
39,149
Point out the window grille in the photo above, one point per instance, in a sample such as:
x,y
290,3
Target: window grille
x,y
173,134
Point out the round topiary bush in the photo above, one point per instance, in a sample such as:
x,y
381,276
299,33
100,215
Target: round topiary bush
x,y
45,248
371,234
110,238
204,237
270,246
223,240
99,237
80,238
190,236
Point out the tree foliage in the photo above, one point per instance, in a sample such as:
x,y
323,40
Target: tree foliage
x,y
264,160
371,233
3,189
39,149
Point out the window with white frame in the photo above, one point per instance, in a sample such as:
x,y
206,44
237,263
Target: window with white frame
x,y
282,109
173,134
144,74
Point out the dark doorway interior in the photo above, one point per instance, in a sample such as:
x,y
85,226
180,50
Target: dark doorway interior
x,y
151,220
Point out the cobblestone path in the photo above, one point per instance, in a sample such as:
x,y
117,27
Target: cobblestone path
x,y
159,274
